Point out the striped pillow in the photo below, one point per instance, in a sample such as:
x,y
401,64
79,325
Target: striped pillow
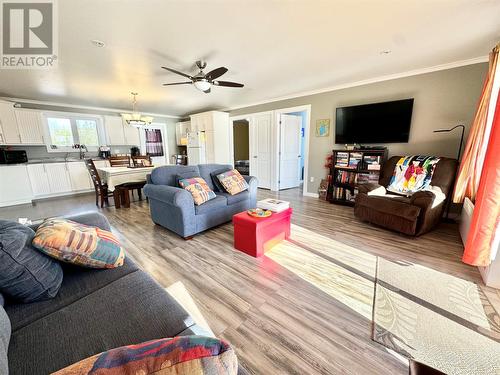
x,y
179,355
198,188
78,244
233,182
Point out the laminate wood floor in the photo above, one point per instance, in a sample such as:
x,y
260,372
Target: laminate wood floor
x,y
303,308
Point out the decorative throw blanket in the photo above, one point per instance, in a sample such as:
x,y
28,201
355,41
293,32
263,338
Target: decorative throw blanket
x,y
412,173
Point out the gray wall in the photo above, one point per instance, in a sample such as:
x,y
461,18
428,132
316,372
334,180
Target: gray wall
x,y
442,100
241,140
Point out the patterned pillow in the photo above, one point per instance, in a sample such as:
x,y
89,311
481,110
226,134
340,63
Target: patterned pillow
x,y
233,181
198,188
412,173
79,244
179,355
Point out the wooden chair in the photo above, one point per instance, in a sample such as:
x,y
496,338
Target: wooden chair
x,y
119,161
101,189
142,161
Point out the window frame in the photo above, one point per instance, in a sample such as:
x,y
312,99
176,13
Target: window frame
x,y
72,117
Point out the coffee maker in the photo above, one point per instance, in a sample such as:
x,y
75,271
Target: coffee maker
x,y
104,152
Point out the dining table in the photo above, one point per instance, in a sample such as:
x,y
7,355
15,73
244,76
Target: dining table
x,y
117,177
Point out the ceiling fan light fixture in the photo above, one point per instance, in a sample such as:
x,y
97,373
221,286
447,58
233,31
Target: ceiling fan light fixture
x,y
202,85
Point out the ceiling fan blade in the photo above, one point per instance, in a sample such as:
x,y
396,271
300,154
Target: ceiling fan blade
x,y
227,84
177,72
207,91
178,83
216,73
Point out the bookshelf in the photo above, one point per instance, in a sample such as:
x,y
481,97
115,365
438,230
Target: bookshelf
x,y
351,168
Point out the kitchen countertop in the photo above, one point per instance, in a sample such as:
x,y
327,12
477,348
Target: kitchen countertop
x,y
53,160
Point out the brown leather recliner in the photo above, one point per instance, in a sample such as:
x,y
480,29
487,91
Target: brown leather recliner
x,y
412,215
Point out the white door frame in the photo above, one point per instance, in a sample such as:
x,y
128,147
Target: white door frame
x,y
301,108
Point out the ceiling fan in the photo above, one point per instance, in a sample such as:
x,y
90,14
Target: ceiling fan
x,y
203,81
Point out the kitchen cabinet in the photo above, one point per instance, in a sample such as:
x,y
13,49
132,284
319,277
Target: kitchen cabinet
x,y
79,176
119,133
215,124
29,124
58,176
131,135
18,189
114,130
39,179
8,124
181,130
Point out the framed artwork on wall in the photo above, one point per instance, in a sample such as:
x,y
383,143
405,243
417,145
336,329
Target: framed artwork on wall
x,y
323,128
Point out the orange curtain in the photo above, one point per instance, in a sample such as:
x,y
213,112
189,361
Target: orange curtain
x,y
471,165
486,216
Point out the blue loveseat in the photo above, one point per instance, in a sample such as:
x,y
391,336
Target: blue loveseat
x,y
173,207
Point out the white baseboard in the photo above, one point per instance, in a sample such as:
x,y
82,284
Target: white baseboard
x,y
312,195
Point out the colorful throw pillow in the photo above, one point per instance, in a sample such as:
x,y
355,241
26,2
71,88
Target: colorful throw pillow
x,y
26,275
79,244
198,188
216,181
179,355
412,173
233,182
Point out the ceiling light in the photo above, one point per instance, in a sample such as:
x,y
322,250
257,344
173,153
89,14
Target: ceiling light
x,y
135,118
98,43
202,85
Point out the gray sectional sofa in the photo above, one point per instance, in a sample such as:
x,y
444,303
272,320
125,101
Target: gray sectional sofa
x,y
173,207
94,311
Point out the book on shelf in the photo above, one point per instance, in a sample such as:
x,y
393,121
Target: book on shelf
x,y
342,194
274,205
355,159
342,159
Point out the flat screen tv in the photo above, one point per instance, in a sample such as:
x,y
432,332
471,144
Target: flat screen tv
x,y
387,122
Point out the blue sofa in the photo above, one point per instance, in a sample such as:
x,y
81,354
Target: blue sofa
x,y
173,207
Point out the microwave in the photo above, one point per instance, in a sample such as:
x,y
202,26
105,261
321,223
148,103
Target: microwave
x,y
13,156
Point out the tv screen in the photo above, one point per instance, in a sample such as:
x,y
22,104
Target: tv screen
x,y
387,122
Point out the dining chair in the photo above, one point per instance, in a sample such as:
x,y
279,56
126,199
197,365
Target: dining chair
x,y
142,161
101,189
119,161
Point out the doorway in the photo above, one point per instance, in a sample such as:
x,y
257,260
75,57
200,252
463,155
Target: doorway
x,y
291,149
241,146
154,143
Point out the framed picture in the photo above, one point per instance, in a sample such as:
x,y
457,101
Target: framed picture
x,y
323,128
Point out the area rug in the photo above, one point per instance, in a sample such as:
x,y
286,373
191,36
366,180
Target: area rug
x,y
443,321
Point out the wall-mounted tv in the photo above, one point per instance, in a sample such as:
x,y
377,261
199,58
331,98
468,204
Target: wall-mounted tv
x,y
387,122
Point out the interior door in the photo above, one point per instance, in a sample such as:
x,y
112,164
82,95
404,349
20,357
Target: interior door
x,y
260,152
290,137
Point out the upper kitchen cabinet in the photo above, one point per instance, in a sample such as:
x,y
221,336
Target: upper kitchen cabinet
x,y
120,133
114,130
30,126
9,133
20,126
131,135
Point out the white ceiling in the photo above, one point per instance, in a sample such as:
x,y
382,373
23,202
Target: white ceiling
x,y
276,48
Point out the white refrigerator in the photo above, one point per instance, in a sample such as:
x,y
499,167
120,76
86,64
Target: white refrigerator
x,y
196,148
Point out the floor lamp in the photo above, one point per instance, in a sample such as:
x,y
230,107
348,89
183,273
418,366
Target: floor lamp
x,y
448,198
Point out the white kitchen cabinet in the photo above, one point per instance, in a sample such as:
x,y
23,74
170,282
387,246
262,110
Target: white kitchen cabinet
x,y
39,179
79,176
29,124
215,124
8,123
131,135
58,176
181,130
15,187
114,130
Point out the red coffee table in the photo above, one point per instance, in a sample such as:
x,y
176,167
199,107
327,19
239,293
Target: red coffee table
x,y
254,235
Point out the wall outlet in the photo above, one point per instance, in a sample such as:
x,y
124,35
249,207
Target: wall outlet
x,y
311,179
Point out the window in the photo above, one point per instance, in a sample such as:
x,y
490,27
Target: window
x,y
64,131
154,143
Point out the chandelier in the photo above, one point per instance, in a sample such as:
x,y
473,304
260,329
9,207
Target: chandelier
x,y
135,118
